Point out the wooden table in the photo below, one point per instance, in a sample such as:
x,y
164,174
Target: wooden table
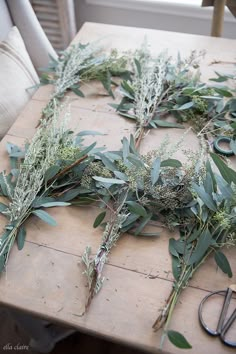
x,y
45,278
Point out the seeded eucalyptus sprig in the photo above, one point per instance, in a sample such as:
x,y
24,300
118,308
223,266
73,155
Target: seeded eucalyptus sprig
x,y
206,224
132,190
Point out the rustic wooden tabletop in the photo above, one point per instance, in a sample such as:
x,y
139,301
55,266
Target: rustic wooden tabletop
x,y
46,279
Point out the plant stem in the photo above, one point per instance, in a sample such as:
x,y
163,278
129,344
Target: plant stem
x,y
110,237
7,245
68,168
139,137
167,311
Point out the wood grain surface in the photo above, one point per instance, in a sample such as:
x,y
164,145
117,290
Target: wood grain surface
x,y
46,279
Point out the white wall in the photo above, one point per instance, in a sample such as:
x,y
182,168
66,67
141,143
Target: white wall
x,y
156,14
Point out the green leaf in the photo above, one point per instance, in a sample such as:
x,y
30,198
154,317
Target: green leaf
x,y
45,217
138,66
107,162
223,92
232,105
135,160
127,90
136,208
129,222
209,170
171,163
106,81
185,106
143,223
226,172
51,172
86,150
132,145
155,172
89,132
194,235
205,197
224,187
125,149
152,124
149,234
99,219
121,175
223,263
71,194
179,245
220,77
165,124
77,92
21,238
54,204
3,207
178,340
3,186
203,244
14,151
127,115
220,107
122,107
208,185
108,180
172,248
38,201
176,268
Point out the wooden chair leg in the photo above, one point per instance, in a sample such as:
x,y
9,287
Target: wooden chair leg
x,y
218,18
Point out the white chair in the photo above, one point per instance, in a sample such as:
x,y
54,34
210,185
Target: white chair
x,y
21,14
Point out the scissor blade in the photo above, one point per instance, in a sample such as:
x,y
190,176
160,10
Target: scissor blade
x,y
224,310
225,329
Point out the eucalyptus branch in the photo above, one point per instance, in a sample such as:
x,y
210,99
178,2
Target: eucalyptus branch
x,y
204,237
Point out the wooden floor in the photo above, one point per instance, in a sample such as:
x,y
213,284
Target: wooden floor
x,y
13,339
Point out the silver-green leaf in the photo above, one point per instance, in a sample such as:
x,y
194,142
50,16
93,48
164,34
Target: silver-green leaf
x,y
21,238
43,215
155,172
108,180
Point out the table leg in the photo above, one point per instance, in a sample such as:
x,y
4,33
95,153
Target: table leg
x,y
218,18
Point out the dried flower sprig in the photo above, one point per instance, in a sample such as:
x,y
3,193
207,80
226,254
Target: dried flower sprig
x,y
82,63
160,87
151,87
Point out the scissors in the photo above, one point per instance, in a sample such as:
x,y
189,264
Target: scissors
x,y
219,149
222,326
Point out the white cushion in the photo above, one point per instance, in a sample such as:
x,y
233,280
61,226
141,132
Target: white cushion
x,y
17,75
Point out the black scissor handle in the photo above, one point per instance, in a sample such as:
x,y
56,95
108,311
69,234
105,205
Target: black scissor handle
x,y
204,325
222,328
